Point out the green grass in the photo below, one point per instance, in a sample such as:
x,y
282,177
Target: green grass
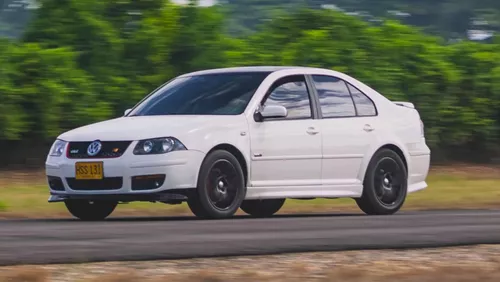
x,y
448,189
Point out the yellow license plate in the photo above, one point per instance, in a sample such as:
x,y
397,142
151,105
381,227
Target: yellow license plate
x,y
89,170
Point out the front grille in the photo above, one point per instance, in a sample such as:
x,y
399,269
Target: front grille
x,y
110,149
108,183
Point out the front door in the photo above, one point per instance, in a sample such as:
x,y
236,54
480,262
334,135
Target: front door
x,y
286,151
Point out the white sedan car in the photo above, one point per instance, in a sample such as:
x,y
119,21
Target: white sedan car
x,y
248,138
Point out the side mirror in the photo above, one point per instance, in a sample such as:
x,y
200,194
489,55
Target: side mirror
x,y
127,111
270,111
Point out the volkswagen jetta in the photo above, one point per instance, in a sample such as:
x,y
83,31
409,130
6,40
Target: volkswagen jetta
x,y
249,138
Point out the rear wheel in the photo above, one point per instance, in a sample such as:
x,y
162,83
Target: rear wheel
x,y
385,184
90,210
221,187
262,208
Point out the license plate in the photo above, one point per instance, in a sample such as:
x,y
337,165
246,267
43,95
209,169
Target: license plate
x,y
89,170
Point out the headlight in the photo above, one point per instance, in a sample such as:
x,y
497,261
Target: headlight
x,y
158,146
57,148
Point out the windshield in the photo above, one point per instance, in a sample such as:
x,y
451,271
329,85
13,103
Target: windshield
x,y
211,94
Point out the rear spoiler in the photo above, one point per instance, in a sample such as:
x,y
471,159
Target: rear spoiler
x,y
405,104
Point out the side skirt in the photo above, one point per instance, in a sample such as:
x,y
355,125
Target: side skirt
x,y
298,192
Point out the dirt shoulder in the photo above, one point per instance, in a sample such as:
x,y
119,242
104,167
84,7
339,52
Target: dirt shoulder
x,y
23,194
475,263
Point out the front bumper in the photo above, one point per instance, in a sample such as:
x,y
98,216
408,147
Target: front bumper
x,y
167,196
180,169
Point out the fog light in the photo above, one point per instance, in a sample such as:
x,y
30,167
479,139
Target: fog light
x,y
147,182
55,183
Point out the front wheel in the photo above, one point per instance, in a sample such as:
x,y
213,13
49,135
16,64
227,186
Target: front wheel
x,y
221,187
385,184
90,210
262,208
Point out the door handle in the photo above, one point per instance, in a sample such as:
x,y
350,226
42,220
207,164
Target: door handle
x,y
312,131
368,128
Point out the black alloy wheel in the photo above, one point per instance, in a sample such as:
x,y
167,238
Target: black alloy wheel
x,y
385,185
221,187
222,184
388,181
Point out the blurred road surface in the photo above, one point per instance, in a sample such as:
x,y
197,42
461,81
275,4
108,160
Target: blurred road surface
x,y
71,241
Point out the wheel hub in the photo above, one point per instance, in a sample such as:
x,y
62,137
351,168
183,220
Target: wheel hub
x,y
221,188
387,181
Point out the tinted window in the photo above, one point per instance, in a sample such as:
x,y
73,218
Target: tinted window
x,y
213,94
291,92
364,105
334,97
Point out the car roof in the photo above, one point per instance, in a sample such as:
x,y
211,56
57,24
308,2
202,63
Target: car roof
x,y
268,69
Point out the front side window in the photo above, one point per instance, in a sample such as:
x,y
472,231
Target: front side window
x,y
210,94
291,92
334,97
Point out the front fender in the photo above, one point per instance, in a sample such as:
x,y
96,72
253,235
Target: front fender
x,y
237,137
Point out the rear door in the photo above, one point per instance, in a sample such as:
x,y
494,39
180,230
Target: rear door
x,y
348,123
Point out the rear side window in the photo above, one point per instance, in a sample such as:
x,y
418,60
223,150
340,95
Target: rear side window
x,y
364,105
334,97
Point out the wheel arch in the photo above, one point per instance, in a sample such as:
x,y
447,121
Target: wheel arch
x,y
237,154
398,151
391,146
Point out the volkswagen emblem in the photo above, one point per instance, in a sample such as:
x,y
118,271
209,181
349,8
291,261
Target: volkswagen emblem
x,y
94,148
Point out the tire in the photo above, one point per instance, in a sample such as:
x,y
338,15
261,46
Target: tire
x,y
90,211
221,187
196,207
385,185
262,208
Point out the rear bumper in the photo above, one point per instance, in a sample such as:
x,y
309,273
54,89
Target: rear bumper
x,y
419,165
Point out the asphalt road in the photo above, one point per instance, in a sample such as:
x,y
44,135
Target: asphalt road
x,y
69,241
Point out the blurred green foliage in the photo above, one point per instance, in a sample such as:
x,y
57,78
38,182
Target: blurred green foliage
x,y
449,19
84,61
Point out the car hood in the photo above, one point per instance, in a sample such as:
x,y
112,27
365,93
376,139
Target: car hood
x,y
144,127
